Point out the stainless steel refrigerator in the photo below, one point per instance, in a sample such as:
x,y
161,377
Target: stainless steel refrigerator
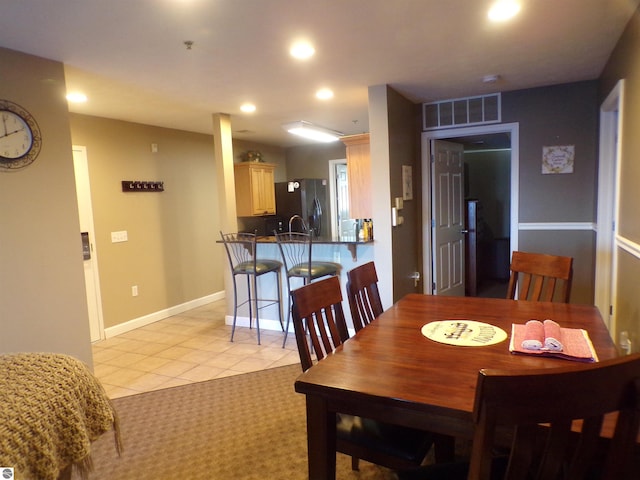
x,y
309,198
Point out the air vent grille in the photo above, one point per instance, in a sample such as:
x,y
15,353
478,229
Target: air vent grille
x,y
462,112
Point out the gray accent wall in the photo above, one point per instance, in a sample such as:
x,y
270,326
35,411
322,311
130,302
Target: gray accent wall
x,y
559,115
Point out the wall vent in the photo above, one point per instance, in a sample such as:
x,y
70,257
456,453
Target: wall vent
x,y
462,112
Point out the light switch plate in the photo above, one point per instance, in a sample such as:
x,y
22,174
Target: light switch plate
x,y
120,236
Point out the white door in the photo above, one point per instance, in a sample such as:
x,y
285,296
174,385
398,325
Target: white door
x,y
447,227
91,279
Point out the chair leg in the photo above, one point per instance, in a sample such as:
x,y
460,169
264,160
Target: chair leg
x,y
255,299
249,300
235,307
355,464
286,330
279,286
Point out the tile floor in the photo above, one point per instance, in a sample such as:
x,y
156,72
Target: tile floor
x,y
191,347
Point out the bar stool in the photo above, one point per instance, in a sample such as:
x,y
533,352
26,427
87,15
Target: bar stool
x,y
295,248
241,252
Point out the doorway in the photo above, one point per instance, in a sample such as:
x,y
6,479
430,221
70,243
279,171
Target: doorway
x,y
85,211
608,187
491,177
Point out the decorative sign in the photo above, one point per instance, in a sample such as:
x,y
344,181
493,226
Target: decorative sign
x,y
407,182
465,333
558,159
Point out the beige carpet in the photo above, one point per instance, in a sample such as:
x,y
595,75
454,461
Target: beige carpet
x,y
249,426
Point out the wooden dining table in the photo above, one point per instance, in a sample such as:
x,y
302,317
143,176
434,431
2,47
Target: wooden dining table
x,y
390,371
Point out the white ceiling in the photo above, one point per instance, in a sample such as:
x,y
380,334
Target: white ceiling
x,y
129,56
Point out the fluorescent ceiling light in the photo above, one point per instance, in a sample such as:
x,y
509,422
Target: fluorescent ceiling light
x,y
503,10
312,132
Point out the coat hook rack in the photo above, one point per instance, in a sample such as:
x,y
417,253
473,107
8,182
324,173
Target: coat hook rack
x,y
142,186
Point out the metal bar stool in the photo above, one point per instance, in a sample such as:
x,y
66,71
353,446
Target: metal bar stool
x,y
296,249
242,254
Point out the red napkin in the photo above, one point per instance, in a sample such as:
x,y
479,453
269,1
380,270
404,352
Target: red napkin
x,y
552,336
533,335
542,336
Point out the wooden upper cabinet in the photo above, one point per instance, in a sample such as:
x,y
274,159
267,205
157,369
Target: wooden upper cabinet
x,y
359,175
255,189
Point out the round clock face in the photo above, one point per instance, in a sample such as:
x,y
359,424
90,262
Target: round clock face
x,y
20,139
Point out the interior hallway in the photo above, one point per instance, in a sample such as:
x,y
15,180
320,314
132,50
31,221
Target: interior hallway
x,y
191,347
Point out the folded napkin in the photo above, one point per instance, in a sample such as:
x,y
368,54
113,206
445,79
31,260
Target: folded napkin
x,y
533,335
552,336
542,336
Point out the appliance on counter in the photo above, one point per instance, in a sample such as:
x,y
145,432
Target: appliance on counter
x,y
308,198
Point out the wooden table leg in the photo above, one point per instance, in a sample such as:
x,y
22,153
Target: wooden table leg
x,y
321,439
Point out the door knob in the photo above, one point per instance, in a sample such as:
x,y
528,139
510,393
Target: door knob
x,y
464,231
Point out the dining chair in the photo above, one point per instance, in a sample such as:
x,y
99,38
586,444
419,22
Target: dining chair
x,y
243,260
540,412
535,276
363,295
320,326
296,249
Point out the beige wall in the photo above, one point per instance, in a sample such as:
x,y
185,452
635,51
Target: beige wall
x,y
312,161
625,64
171,254
404,149
42,297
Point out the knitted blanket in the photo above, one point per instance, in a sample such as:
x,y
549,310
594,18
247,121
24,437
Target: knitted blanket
x,y
51,409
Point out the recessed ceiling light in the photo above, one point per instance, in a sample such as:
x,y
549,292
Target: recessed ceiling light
x,y
76,97
503,10
248,107
324,94
302,50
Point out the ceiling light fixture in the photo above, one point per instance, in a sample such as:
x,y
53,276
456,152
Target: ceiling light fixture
x,y
503,10
312,132
76,97
302,50
248,107
324,94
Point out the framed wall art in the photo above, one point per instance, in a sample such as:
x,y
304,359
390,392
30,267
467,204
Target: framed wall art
x,y
558,159
407,182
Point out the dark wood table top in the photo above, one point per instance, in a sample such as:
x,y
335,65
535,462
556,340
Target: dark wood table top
x,y
390,371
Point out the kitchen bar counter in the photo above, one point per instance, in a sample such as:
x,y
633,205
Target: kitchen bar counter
x,y
324,249
352,245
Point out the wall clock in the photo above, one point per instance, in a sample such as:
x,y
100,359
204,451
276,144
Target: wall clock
x,y
20,138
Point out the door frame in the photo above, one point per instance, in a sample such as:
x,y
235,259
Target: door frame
x,y
610,155
427,137
83,193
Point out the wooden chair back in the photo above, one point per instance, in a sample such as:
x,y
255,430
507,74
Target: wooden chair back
x,y
318,319
536,277
538,408
363,295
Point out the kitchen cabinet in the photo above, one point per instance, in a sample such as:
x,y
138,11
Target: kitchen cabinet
x,y
255,190
359,175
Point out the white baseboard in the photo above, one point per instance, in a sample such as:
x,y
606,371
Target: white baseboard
x,y
161,315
